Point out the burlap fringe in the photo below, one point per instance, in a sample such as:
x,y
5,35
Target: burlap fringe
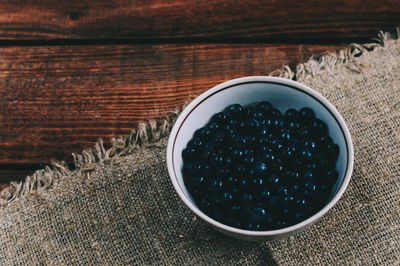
x,y
145,134
151,131
328,61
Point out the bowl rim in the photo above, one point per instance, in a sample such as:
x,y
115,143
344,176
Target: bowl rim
x,y
252,79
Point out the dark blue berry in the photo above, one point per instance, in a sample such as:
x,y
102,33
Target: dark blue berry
x,y
195,143
258,215
249,111
240,142
253,168
319,128
306,114
275,113
219,117
262,167
213,127
253,125
249,159
218,139
203,133
234,109
189,153
291,114
264,107
332,150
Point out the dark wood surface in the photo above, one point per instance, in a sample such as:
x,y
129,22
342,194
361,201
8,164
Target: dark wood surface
x,y
281,20
72,73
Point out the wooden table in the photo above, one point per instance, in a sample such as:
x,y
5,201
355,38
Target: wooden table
x,y
73,72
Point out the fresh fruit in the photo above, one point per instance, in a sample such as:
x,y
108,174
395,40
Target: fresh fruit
x,y
254,168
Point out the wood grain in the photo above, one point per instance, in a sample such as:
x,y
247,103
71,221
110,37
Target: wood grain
x,y
60,99
278,21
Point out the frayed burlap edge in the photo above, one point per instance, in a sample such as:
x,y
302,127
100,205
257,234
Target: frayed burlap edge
x,y
148,133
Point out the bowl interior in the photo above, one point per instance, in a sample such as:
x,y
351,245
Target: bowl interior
x,y
281,96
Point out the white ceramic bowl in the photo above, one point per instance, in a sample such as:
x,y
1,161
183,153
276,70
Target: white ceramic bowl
x,y
283,94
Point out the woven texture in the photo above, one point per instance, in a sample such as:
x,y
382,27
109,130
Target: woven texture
x,y
364,226
118,206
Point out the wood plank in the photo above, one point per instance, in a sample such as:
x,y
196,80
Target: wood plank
x,y
56,100
8,175
282,21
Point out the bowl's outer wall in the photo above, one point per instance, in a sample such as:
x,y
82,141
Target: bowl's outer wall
x,y
283,94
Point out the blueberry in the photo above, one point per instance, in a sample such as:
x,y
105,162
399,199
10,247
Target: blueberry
x,y
240,142
288,199
189,153
207,170
251,159
199,181
241,169
247,197
293,125
217,160
264,131
218,139
274,179
332,150
274,201
234,109
290,151
249,111
309,174
243,184
217,184
253,124
258,215
319,128
257,182
237,154
191,168
195,143
275,113
303,132
268,122
213,127
331,176
248,152
291,114
268,156
306,114
208,146
278,123
264,107
202,133
219,117
310,186
228,160
250,139
307,154
233,122
310,144
262,167
223,172
324,162
227,196
241,126
265,194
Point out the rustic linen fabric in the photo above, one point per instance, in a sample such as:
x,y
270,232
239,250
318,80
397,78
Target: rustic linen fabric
x,y
117,205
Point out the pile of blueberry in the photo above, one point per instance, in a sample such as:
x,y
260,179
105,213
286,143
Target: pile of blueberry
x,y
255,168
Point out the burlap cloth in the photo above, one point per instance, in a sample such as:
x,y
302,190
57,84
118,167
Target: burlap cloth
x,y
118,206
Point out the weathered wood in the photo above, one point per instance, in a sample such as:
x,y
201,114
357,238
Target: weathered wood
x,y
56,100
282,21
